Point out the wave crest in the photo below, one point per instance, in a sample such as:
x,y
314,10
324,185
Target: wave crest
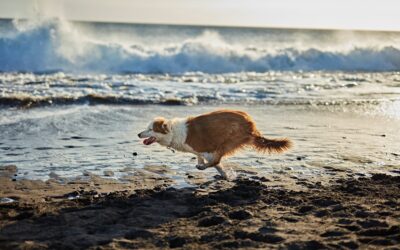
x,y
59,46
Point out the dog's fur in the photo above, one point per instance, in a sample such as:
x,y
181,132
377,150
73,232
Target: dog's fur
x,y
212,136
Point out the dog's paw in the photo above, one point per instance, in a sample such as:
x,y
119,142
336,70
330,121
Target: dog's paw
x,y
201,166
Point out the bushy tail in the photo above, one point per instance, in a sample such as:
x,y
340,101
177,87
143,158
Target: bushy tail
x,y
265,145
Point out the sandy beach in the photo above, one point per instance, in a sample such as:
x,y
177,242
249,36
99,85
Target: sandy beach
x,y
250,212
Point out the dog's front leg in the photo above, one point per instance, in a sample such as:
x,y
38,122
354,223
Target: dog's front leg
x,y
212,160
200,160
201,166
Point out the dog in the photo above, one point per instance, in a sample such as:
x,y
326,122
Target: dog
x,y
212,136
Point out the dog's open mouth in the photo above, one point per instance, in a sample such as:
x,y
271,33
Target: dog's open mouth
x,y
149,140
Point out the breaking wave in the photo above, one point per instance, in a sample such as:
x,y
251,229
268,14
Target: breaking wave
x,y
60,46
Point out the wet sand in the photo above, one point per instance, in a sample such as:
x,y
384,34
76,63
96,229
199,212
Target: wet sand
x,y
68,141
250,212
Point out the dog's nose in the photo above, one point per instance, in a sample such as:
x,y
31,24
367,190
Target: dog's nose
x,y
138,135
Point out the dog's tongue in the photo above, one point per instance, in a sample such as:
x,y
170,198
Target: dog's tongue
x,y
149,140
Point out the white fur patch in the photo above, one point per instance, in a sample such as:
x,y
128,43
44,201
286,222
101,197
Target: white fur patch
x,y
177,136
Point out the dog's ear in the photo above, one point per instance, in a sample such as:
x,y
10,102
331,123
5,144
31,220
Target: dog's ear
x,y
160,125
165,127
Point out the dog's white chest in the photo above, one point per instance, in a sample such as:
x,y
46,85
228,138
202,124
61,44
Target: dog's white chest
x,y
179,135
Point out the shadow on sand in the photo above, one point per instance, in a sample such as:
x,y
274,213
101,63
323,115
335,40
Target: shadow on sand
x,y
348,214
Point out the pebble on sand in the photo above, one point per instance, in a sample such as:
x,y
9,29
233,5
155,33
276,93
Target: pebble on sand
x,y
108,173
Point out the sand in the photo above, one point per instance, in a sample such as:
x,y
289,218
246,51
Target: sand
x,y
250,212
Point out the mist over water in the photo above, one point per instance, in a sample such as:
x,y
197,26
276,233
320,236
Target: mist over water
x,y
56,45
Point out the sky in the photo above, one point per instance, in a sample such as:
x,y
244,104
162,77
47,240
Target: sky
x,y
318,14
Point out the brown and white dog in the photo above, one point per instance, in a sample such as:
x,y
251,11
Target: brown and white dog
x,y
211,136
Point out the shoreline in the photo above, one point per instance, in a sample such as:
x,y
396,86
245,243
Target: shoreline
x,y
327,143
250,212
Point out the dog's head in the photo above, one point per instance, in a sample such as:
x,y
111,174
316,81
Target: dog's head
x,y
157,131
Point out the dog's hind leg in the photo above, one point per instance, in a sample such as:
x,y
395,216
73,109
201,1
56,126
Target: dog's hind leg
x,y
221,171
226,174
214,160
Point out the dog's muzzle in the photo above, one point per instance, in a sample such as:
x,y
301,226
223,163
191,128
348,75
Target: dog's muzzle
x,y
143,134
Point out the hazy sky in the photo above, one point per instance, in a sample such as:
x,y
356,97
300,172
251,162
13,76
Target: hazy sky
x,y
331,14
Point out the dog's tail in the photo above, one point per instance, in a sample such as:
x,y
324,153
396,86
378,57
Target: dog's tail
x,y
266,145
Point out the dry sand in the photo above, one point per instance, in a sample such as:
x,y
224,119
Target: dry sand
x,y
251,212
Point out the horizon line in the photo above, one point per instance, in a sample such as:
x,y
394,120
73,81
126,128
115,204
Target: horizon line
x,y
213,25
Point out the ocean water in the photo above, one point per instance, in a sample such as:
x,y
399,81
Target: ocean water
x,y
73,96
